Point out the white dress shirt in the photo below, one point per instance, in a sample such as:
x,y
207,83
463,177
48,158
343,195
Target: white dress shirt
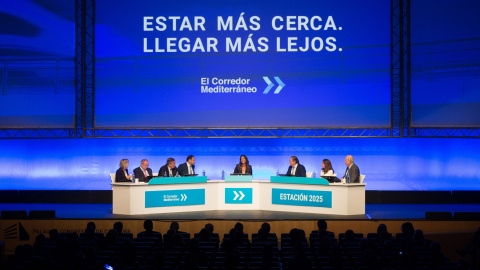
x,y
190,169
329,173
145,172
294,168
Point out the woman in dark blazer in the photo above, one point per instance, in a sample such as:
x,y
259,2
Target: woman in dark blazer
x,y
243,167
122,173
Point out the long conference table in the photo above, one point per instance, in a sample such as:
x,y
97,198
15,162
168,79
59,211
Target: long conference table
x,y
286,194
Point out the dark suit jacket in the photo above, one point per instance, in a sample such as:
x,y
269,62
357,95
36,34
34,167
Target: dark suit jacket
x,y
183,169
164,169
139,174
248,170
354,172
120,176
299,172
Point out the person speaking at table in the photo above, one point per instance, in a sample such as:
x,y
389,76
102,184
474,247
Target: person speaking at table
x,y
187,168
327,169
243,167
296,169
122,173
169,169
143,171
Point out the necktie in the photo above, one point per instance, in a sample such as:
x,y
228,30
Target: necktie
x,y
146,174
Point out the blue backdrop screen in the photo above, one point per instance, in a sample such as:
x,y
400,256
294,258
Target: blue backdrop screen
x,y
37,74
242,63
445,63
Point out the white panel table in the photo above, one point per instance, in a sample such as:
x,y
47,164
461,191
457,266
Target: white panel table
x,y
333,199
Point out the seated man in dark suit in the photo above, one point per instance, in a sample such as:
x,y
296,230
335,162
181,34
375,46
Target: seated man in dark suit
x,y
187,168
169,169
296,169
352,170
143,171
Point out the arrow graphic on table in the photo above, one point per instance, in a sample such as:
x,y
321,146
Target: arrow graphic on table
x,y
270,85
237,195
184,197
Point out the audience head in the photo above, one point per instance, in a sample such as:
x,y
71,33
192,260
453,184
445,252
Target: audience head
x,y
294,161
175,226
209,227
191,160
262,234
204,234
124,163
266,226
148,225
118,226
322,225
381,228
238,227
144,164
418,236
408,230
349,235
171,163
348,160
92,224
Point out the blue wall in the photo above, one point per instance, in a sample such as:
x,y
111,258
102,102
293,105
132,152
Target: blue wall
x,y
390,164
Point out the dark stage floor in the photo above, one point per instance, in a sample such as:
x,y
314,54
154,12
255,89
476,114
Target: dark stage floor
x,y
373,211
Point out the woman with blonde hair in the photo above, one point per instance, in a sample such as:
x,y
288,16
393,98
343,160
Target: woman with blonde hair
x,y
122,173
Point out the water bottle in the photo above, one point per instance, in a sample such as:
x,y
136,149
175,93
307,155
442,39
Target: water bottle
x,y
348,178
165,174
314,174
223,175
176,174
203,173
278,173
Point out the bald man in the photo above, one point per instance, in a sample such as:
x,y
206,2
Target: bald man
x,y
143,172
352,170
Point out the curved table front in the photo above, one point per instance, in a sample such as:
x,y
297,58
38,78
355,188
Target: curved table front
x,y
142,198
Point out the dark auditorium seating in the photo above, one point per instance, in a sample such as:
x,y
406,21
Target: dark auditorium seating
x,y
293,251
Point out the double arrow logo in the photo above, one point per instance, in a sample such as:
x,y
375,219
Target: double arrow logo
x,y
237,195
270,85
184,197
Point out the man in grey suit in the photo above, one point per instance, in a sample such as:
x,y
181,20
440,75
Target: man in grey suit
x,y
352,170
